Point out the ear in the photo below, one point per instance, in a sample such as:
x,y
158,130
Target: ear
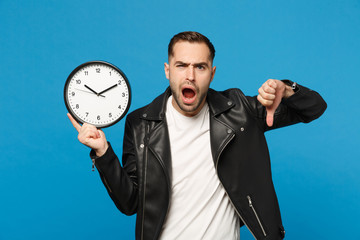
x,y
167,70
213,73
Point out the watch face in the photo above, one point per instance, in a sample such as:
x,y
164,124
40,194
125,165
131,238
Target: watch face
x,y
97,93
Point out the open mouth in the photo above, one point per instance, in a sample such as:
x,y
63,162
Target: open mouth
x,y
188,94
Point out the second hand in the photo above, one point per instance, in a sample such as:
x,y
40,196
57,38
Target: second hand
x,y
88,92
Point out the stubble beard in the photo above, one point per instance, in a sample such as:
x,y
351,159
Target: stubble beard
x,y
177,96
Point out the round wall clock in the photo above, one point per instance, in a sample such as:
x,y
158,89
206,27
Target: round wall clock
x,y
97,93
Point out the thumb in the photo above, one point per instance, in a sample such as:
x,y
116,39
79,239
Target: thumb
x,y
101,134
270,110
270,116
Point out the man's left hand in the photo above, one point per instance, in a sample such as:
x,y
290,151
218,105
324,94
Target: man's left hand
x,y
270,95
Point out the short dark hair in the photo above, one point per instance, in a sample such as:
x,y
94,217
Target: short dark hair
x,y
191,37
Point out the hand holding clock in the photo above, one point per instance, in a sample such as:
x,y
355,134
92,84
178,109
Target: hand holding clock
x,y
95,112
90,136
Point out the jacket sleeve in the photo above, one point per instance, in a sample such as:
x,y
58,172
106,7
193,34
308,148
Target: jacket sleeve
x,y
304,106
120,182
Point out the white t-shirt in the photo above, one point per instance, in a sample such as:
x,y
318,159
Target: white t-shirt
x,y
199,206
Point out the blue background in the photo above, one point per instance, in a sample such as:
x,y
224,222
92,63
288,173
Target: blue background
x,y
47,188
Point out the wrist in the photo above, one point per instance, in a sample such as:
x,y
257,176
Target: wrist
x,y
100,152
290,88
288,92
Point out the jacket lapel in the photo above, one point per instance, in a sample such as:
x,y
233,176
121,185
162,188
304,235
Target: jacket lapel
x,y
158,140
220,133
220,136
159,145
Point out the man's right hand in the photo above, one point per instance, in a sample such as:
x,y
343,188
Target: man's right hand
x,y
90,136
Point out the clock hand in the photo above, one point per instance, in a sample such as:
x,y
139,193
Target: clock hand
x,y
91,90
88,92
115,85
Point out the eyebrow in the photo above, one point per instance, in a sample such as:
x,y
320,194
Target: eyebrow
x,y
195,64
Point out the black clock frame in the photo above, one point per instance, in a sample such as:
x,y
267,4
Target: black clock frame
x,y
91,63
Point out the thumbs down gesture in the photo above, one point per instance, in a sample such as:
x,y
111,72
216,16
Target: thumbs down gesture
x,y
270,95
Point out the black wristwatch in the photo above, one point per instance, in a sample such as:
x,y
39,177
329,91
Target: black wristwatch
x,y
292,84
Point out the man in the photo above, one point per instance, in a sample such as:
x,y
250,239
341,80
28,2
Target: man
x,y
195,160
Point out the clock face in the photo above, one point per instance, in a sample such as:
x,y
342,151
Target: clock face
x,y
97,93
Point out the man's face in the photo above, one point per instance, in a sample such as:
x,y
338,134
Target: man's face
x,y
190,73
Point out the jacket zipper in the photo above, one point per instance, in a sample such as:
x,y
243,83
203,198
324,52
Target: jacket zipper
x,y
145,167
217,161
256,215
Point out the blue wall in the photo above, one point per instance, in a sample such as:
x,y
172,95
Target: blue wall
x,y
47,188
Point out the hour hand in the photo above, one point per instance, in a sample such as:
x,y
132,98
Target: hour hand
x,y
91,89
108,89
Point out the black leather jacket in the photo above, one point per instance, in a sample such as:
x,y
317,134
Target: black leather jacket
x,y
239,150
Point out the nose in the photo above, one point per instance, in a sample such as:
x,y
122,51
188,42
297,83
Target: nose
x,y
190,73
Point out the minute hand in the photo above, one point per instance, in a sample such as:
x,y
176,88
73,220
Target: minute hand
x,y
115,85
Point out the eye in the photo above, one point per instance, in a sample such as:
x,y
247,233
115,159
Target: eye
x,y
200,67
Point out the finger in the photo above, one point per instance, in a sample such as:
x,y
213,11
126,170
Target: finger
x,y
98,134
76,125
88,135
89,131
101,133
270,117
272,83
264,102
94,131
266,95
269,110
269,87
92,134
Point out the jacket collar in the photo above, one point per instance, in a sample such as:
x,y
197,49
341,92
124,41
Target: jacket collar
x,y
155,111
218,102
